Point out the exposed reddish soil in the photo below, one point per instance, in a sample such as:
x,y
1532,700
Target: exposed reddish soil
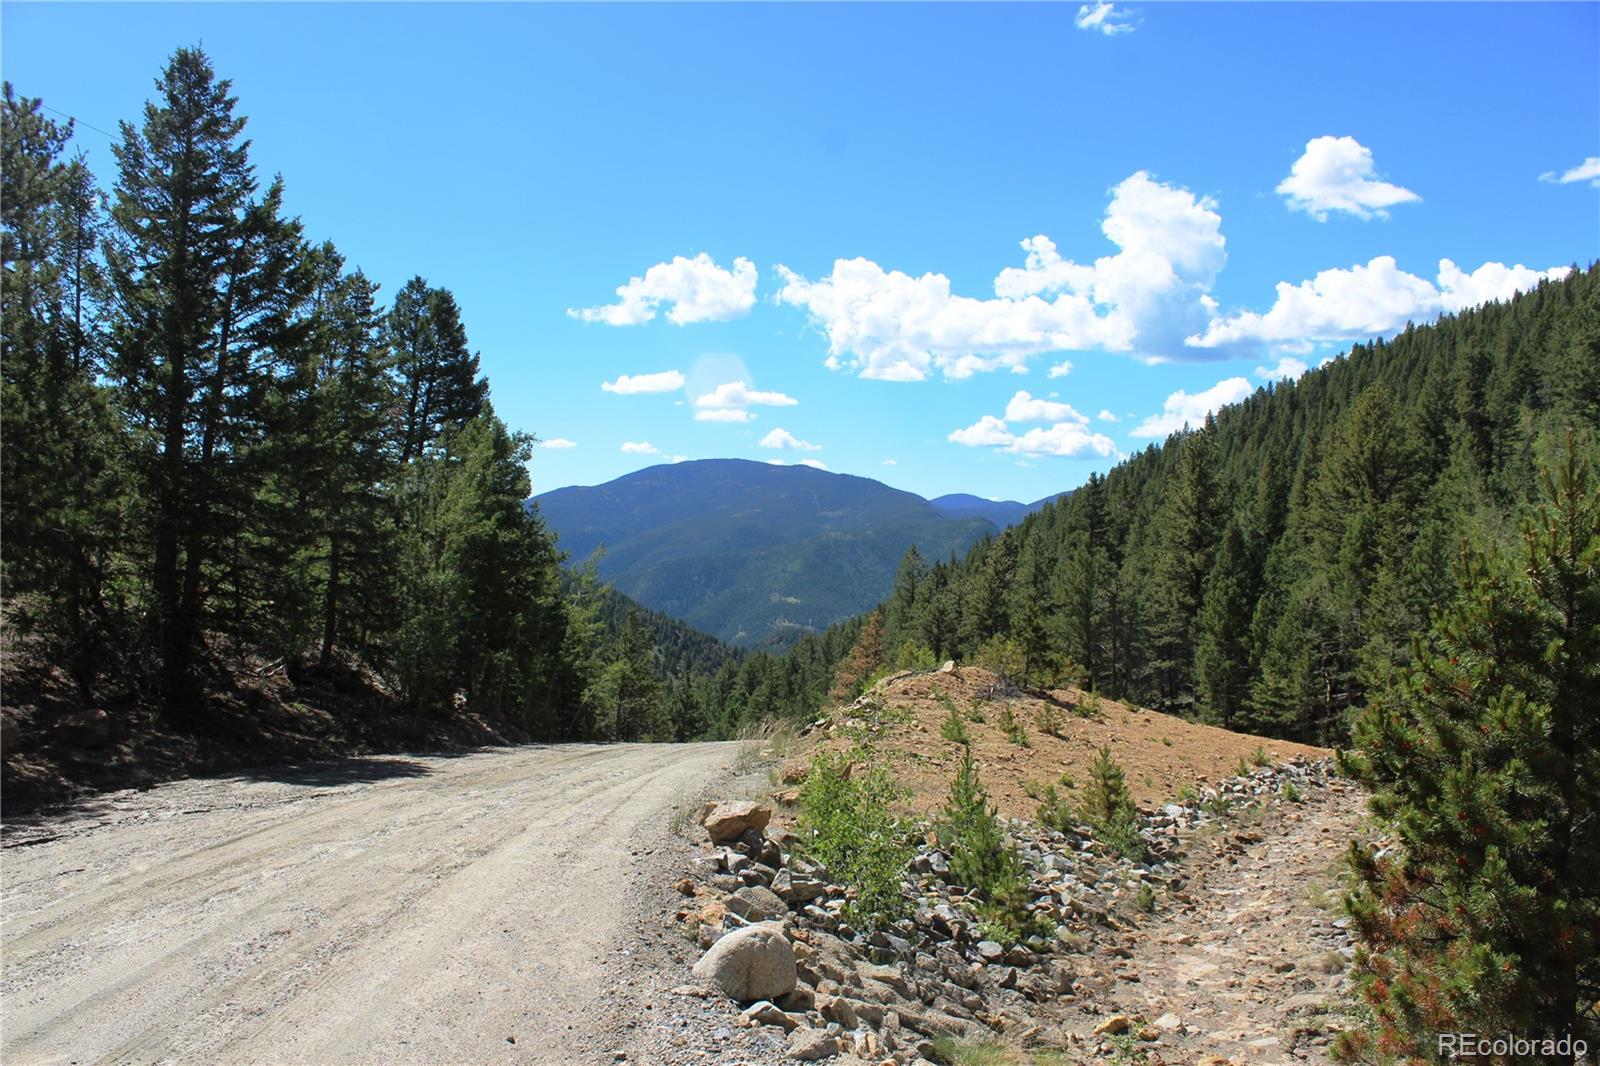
x,y
1161,754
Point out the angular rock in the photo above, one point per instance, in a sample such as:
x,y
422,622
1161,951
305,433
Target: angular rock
x,y
752,963
798,887
756,904
1115,1025
726,822
765,1012
809,1045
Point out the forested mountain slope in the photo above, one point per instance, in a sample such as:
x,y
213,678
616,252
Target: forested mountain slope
x,y
753,553
1266,570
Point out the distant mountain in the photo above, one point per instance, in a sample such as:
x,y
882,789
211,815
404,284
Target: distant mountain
x,y
964,505
749,552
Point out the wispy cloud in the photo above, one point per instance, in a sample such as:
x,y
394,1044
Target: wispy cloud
x,y
1588,170
558,443
1104,17
639,447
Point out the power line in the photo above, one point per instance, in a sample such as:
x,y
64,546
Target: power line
x,y
78,121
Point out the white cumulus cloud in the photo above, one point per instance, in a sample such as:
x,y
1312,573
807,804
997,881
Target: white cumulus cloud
x,y
1288,367
639,447
1147,298
633,384
1107,416
1588,170
815,464
1069,438
1374,299
782,438
986,432
694,290
1025,408
1061,369
1336,174
1181,409
1103,17
558,443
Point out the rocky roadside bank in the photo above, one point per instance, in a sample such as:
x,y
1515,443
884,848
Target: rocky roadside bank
x,y
785,978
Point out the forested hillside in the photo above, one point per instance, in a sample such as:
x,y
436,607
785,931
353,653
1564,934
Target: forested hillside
x,y
227,457
756,554
1267,570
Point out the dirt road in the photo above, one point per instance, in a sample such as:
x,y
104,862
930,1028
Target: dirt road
x,y
415,909
1246,964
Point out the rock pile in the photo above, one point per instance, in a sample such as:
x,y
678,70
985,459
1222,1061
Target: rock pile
x,y
777,938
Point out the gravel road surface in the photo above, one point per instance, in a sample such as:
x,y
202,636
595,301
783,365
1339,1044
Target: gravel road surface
x,y
389,909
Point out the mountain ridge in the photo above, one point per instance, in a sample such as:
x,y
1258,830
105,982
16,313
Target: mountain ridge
x,y
756,553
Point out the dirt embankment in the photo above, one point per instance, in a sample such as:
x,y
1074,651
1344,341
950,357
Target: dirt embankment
x,y
56,748
479,908
1161,754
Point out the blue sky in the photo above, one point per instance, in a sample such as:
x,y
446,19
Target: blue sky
x,y
834,199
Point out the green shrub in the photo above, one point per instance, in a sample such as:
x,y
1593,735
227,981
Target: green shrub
x,y
1291,793
981,858
1145,898
1049,719
845,823
1259,757
1107,805
953,728
1053,812
1004,657
1012,728
1086,705
914,655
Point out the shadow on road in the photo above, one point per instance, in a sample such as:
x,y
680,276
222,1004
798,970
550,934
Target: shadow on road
x,y
335,771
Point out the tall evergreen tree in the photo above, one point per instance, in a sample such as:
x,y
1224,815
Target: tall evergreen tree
x,y
1188,536
209,283
438,381
1485,763
61,462
1222,651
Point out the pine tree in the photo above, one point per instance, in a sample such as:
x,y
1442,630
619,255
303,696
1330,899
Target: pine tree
x,y
61,465
865,658
1107,805
1222,647
354,459
1188,535
982,857
1080,594
209,284
1485,764
629,692
901,622
438,380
